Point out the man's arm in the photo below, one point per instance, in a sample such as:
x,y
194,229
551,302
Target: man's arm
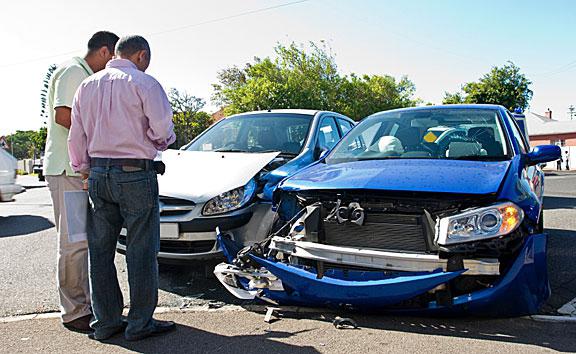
x,y
63,116
65,88
77,140
159,113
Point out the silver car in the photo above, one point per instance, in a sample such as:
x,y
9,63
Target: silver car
x,y
226,176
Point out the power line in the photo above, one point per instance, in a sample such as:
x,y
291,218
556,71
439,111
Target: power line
x,y
220,19
176,29
38,59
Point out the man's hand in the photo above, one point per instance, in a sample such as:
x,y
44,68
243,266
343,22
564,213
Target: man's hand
x,y
63,116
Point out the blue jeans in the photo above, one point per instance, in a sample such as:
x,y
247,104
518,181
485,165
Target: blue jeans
x,y
120,198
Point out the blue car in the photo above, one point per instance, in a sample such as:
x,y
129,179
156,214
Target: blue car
x,y
428,210
225,178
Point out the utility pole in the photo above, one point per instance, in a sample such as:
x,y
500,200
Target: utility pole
x,y
572,111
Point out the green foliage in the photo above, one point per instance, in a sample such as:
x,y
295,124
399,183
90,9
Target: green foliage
x,y
27,144
300,79
188,120
505,86
453,98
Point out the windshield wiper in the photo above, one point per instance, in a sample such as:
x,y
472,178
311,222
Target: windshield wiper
x,y
285,153
229,150
479,158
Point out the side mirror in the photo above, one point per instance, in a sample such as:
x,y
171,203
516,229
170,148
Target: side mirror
x,y
543,154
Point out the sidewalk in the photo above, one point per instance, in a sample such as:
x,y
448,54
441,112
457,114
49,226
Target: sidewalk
x,y
235,330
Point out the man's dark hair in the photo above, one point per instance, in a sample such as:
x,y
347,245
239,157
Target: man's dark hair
x,y
102,39
129,45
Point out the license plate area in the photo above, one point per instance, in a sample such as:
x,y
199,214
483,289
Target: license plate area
x,y
169,231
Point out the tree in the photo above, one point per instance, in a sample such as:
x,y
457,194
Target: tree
x,y
188,120
505,86
27,144
297,78
453,98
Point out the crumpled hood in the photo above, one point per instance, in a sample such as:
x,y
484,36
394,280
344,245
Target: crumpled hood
x,y
444,176
200,175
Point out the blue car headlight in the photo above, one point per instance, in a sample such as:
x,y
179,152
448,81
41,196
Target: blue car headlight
x,y
479,224
231,200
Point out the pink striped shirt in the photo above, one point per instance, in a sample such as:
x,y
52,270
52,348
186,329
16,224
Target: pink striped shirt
x,y
119,112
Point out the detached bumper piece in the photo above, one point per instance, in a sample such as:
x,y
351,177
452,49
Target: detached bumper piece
x,y
399,288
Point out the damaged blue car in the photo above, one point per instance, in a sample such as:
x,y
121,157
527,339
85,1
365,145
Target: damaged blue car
x,y
429,210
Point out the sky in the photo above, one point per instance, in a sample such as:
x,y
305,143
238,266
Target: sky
x,y
439,45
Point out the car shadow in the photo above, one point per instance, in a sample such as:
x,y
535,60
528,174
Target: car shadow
x,y
512,330
195,282
561,272
553,202
17,225
186,339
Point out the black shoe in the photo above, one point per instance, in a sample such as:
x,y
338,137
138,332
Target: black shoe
x,y
109,333
81,324
160,327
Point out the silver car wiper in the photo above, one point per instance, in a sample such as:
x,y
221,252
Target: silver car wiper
x,y
229,150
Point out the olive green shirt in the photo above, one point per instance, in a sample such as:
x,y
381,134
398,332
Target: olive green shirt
x,y
61,89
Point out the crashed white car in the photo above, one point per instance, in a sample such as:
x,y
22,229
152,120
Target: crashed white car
x,y
225,178
8,186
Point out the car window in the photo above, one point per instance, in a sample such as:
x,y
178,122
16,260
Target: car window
x,y
327,133
518,136
256,133
447,133
345,126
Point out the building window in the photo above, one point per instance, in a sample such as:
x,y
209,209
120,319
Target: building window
x,y
559,142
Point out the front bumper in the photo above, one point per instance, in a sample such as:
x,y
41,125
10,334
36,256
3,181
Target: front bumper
x,y
520,289
196,239
7,191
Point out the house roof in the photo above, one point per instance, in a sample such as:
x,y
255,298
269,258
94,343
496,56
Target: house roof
x,y
541,125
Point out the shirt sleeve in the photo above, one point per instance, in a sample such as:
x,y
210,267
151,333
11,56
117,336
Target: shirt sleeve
x,y
65,86
77,140
159,113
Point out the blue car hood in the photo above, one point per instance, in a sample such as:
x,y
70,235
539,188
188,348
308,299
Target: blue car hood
x,y
444,176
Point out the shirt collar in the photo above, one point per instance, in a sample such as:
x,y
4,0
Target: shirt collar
x,y
121,63
85,65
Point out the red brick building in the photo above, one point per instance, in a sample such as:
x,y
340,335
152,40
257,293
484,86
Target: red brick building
x,y
544,130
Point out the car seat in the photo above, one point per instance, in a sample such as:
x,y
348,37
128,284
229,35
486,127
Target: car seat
x,y
485,136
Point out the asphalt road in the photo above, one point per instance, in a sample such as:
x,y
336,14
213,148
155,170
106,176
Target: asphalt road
x,y
28,254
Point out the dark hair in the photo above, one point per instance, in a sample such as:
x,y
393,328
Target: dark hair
x,y
131,44
102,39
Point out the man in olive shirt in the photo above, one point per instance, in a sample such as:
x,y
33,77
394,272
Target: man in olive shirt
x,y
72,268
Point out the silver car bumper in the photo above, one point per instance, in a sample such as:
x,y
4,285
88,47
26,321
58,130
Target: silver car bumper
x,y
256,221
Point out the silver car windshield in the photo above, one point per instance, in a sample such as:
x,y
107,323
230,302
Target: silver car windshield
x,y
256,133
463,134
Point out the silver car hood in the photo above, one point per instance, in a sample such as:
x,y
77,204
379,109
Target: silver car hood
x,y
201,175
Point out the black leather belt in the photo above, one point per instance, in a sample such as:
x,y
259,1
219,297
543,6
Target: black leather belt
x,y
136,163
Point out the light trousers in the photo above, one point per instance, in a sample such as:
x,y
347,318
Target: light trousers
x,y
72,259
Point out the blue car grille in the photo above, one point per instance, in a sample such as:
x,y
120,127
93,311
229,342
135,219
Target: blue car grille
x,y
393,232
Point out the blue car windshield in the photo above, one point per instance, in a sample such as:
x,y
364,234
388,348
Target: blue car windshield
x,y
262,132
463,134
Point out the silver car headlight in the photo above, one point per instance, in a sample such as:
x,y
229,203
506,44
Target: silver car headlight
x,y
231,200
478,224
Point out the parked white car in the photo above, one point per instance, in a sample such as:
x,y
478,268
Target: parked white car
x,y
8,186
